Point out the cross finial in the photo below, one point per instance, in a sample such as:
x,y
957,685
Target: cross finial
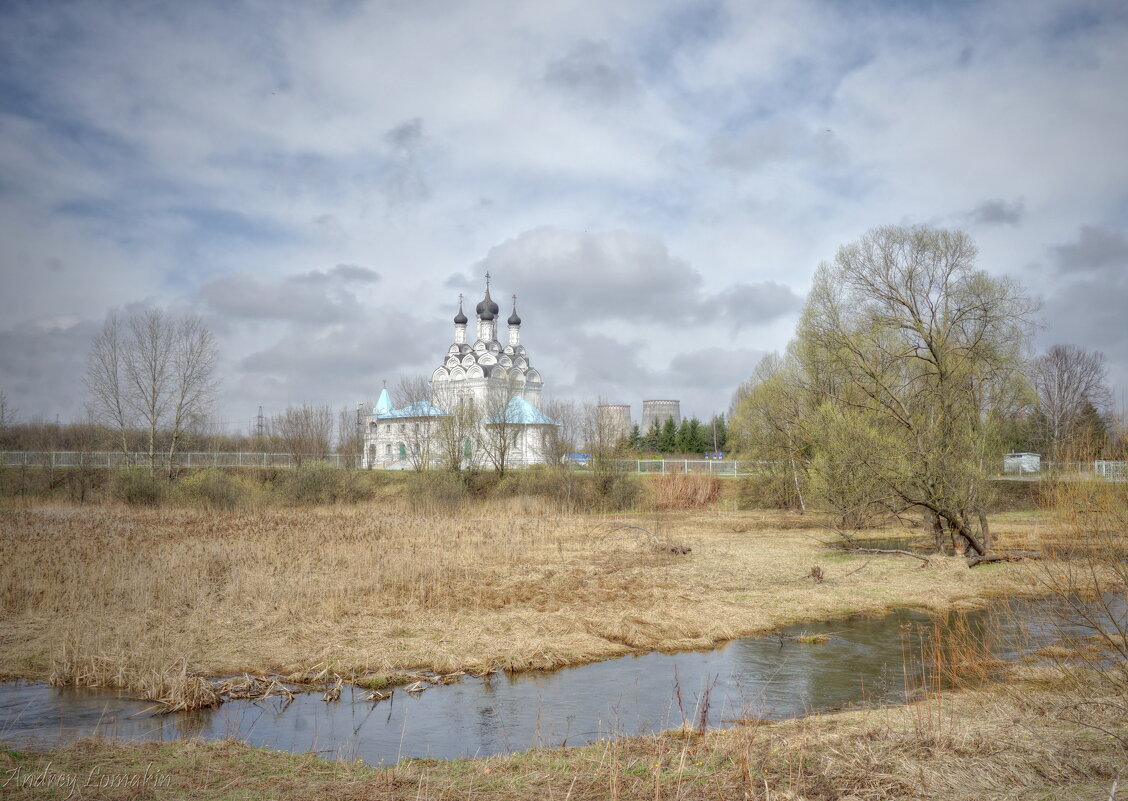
x,y
460,300
487,279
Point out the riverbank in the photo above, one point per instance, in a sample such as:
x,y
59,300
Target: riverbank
x,y
129,597
1009,740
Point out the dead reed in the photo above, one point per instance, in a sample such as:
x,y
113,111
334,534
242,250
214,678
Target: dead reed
x,y
108,596
684,491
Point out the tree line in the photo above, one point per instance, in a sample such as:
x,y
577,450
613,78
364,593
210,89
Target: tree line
x,y
691,436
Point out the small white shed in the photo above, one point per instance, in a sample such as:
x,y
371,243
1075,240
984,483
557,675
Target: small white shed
x,y
1020,463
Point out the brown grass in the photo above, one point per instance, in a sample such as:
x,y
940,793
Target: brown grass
x,y
136,598
684,491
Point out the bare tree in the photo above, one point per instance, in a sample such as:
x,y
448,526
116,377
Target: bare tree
x,y
148,369
601,436
414,394
7,420
502,424
153,370
566,436
305,431
1067,378
350,435
456,432
105,380
192,369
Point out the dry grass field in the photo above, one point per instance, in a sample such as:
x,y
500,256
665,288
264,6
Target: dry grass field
x,y
127,597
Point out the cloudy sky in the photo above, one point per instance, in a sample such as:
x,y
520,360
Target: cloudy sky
x,y
656,181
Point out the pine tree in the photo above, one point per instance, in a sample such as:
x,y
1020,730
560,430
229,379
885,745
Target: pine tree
x,y
668,439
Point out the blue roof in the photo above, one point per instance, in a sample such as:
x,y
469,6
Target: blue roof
x,y
520,412
384,404
416,409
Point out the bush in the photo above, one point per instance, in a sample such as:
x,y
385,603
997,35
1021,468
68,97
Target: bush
x,y
212,488
616,492
137,486
771,490
320,482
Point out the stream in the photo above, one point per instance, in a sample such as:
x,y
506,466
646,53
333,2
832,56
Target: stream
x,y
767,677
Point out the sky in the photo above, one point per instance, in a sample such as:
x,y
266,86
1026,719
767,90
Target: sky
x,y
657,182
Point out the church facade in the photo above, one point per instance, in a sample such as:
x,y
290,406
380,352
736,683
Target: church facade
x,y
484,406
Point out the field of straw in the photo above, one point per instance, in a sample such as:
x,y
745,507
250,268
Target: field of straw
x,y
145,598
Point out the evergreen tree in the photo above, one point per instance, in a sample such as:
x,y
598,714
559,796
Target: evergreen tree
x,y
635,439
1091,433
650,441
682,439
668,439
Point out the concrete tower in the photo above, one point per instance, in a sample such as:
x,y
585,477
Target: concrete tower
x,y
658,411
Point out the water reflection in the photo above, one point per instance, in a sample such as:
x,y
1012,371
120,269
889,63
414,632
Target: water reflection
x,y
770,677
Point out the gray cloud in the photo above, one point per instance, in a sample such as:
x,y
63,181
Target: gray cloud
x,y
406,137
1086,306
998,212
620,275
407,182
1097,249
42,364
778,139
747,305
593,72
343,363
309,299
343,272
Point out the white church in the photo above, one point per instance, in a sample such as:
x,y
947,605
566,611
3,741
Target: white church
x,y
485,400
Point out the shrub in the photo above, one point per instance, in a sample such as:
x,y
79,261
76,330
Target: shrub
x,y
615,491
212,488
137,486
770,490
320,482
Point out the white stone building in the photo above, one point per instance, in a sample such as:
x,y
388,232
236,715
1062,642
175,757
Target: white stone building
x,y
484,394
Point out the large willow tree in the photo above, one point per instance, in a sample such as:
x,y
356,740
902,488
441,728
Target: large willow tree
x,y
905,356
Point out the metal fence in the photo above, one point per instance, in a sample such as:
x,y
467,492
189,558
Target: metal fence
x,y
1100,467
711,467
118,459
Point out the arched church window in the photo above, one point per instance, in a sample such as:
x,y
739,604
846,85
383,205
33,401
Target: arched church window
x,y
388,449
467,448
403,450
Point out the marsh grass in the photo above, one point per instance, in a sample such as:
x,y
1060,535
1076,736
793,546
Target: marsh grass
x,y
122,596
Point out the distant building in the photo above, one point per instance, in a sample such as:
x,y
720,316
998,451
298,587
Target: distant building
x,y
614,421
494,386
659,411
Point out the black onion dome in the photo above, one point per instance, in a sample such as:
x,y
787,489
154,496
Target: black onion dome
x,y
513,318
460,318
487,309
